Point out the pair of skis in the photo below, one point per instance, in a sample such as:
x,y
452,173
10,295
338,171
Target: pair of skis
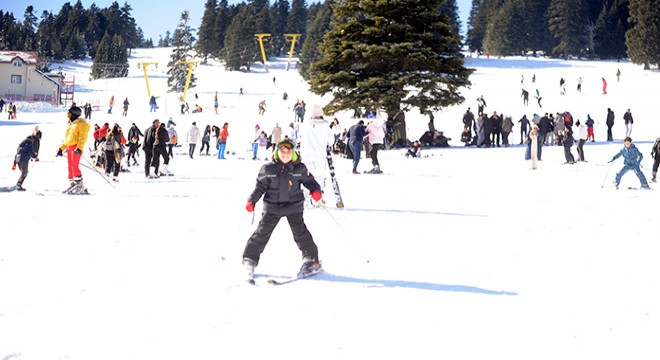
x,y
286,280
333,178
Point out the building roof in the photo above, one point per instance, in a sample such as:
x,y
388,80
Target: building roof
x,y
28,57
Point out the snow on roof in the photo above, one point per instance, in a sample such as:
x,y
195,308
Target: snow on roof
x,y
28,57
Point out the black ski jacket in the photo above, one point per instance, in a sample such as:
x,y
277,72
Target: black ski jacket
x,y
280,185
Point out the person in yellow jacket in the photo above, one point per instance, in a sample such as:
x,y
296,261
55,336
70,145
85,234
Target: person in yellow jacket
x,y
74,142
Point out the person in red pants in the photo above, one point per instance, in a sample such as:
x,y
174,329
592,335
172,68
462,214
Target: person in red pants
x,y
74,142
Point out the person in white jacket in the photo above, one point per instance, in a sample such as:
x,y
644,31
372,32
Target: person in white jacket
x,y
192,138
315,138
582,138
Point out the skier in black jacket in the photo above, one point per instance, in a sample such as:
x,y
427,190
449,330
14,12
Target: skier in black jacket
x,y
27,149
655,154
279,182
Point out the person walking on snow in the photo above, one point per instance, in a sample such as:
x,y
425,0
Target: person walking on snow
x,y
74,142
582,136
376,135
655,154
481,104
632,158
590,128
222,141
126,103
28,149
525,96
628,119
604,86
610,123
280,184
192,138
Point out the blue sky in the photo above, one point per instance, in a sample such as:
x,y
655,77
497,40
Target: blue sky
x,y
154,20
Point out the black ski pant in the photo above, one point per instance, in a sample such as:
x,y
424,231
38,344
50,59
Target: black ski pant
x,y
191,149
111,164
580,149
656,163
374,154
205,144
568,155
148,155
23,166
159,151
609,133
303,238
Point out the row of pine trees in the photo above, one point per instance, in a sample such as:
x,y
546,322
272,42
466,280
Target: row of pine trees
x,y
595,29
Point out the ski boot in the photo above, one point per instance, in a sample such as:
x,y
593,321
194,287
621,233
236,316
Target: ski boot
x,y
309,267
249,266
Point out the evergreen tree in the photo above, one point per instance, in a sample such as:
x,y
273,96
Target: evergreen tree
x,y
643,38
296,23
222,21
241,47
389,55
44,35
183,44
610,31
99,66
568,22
207,44
479,20
315,34
505,35
29,27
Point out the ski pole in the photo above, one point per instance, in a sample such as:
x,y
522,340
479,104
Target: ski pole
x,y
355,245
606,174
91,167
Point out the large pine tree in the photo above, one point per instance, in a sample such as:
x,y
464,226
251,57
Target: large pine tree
x,y
208,44
568,20
391,55
643,38
310,49
183,43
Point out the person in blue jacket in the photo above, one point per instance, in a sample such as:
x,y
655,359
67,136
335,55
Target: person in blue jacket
x,y
632,159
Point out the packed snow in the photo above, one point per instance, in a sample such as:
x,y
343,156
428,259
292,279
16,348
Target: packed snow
x,y
465,253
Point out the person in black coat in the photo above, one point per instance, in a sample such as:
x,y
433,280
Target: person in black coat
x,y
161,138
610,123
568,141
148,147
496,129
356,134
25,152
280,184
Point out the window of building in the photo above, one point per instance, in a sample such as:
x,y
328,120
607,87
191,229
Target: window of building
x,y
17,63
16,79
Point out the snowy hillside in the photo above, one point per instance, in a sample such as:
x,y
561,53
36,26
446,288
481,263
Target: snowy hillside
x,y
463,254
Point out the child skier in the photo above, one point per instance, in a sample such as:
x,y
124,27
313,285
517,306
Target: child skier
x,y
631,161
280,182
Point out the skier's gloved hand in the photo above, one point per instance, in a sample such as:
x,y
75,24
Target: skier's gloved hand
x,y
78,152
316,195
59,152
249,206
13,166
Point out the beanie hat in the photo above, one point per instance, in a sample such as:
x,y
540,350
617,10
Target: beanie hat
x,y
74,113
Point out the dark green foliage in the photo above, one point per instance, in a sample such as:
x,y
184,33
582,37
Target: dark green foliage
x,y
111,58
389,55
310,49
568,22
643,38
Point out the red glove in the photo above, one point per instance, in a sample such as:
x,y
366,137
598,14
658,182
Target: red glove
x,y
13,166
316,195
249,206
36,159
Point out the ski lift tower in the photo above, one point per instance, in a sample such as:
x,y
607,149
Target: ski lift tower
x,y
190,67
261,37
292,38
144,66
